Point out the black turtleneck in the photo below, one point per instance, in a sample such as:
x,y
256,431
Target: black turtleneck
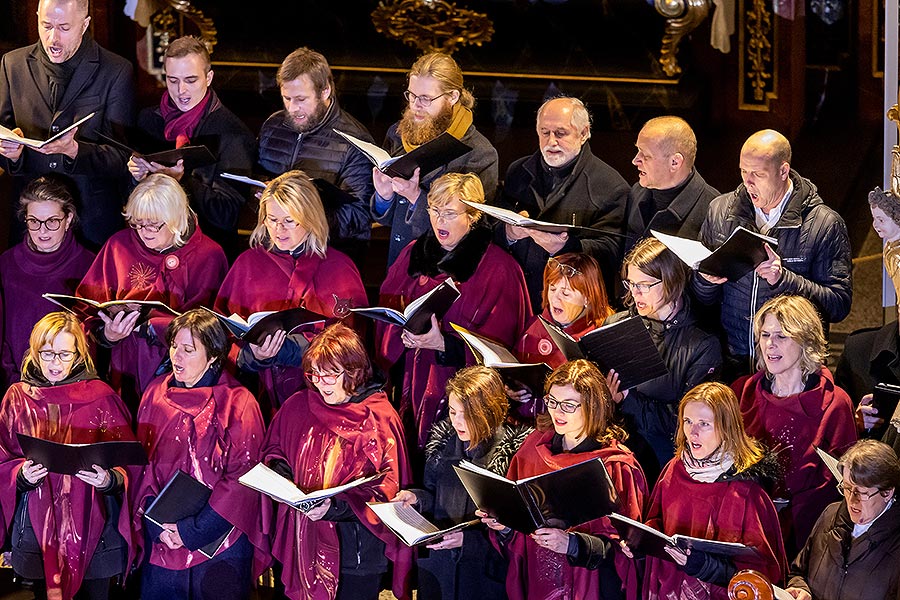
x,y
661,199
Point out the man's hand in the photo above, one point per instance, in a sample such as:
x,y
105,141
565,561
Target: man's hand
x,y
407,497
62,145
408,188
138,167
551,242
798,593
867,415
451,540
713,278
12,150
175,172
770,269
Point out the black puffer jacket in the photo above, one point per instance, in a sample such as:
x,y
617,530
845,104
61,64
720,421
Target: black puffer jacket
x,y
815,255
323,154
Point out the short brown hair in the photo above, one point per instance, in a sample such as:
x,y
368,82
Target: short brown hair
x,y
728,421
799,321
871,463
653,258
46,330
304,61
188,44
596,400
587,280
338,347
206,330
481,392
47,188
443,69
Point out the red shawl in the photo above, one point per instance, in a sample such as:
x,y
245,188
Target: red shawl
x,y
326,446
732,511
213,434
535,572
794,427
261,280
125,269
67,514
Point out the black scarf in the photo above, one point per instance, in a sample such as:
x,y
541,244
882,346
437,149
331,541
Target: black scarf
x,y
59,74
428,258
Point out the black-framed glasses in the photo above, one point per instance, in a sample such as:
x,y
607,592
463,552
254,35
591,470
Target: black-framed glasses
x,y
52,224
326,378
567,271
64,356
424,101
854,494
151,227
567,407
643,288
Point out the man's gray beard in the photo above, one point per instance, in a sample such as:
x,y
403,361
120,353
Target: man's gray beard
x,y
417,134
312,121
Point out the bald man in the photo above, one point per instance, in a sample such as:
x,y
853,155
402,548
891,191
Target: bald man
x,y
812,258
45,88
670,195
563,182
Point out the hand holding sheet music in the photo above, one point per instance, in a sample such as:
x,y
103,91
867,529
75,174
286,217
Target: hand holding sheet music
x,y
741,253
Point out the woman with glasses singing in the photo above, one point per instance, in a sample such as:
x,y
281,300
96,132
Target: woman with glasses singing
x,y
463,565
493,301
656,284
162,256
66,532
578,426
197,418
289,264
713,489
339,429
49,260
792,405
853,552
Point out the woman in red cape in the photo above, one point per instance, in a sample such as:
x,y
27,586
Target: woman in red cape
x,y
289,264
793,406
200,420
49,260
492,302
340,429
162,256
584,561
72,531
711,489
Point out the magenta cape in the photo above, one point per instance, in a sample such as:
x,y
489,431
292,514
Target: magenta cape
x,y
261,280
493,302
535,572
794,427
126,270
25,274
536,346
67,514
328,445
732,511
213,434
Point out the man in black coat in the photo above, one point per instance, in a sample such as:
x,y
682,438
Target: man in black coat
x,y
50,85
190,113
670,195
564,183
302,137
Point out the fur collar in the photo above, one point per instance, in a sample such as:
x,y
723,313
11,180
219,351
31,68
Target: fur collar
x,y
428,258
506,442
765,472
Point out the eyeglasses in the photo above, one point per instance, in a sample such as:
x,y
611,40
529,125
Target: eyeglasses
x,y
52,224
567,407
642,288
151,227
423,101
855,494
326,378
567,271
287,223
64,356
446,215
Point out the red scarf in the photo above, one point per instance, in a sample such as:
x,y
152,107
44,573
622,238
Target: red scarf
x,y
180,125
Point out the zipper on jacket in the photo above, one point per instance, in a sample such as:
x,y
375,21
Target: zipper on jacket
x,y
751,345
24,511
296,151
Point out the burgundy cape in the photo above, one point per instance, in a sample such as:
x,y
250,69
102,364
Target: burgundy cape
x,y
536,345
794,427
539,573
125,269
329,445
262,280
25,274
729,511
492,302
213,434
67,514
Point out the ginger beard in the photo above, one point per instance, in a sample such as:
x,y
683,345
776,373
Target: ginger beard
x,y
418,132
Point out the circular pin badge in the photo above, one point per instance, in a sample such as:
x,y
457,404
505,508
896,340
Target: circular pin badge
x,y
172,262
545,347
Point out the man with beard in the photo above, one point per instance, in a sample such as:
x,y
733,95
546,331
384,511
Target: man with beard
x,y
50,85
437,102
302,137
190,113
563,182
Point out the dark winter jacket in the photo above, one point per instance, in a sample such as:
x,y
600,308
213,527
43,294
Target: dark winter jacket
x,y
815,255
592,195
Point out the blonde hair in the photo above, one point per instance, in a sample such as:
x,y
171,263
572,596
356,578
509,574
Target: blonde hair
x,y
161,199
294,192
799,321
443,69
46,330
457,186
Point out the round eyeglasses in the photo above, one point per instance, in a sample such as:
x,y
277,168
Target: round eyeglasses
x,y
423,101
151,227
52,224
64,356
567,407
326,378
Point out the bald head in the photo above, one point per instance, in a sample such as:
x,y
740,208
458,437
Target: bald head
x,y
765,168
769,145
666,150
61,25
82,7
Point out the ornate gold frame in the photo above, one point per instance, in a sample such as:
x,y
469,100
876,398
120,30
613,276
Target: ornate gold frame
x,y
682,17
758,46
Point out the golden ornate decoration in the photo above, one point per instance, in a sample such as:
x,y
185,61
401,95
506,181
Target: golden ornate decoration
x,y
431,25
893,114
168,23
757,76
682,17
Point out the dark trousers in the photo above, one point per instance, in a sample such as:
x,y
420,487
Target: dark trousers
x,y
359,587
225,577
